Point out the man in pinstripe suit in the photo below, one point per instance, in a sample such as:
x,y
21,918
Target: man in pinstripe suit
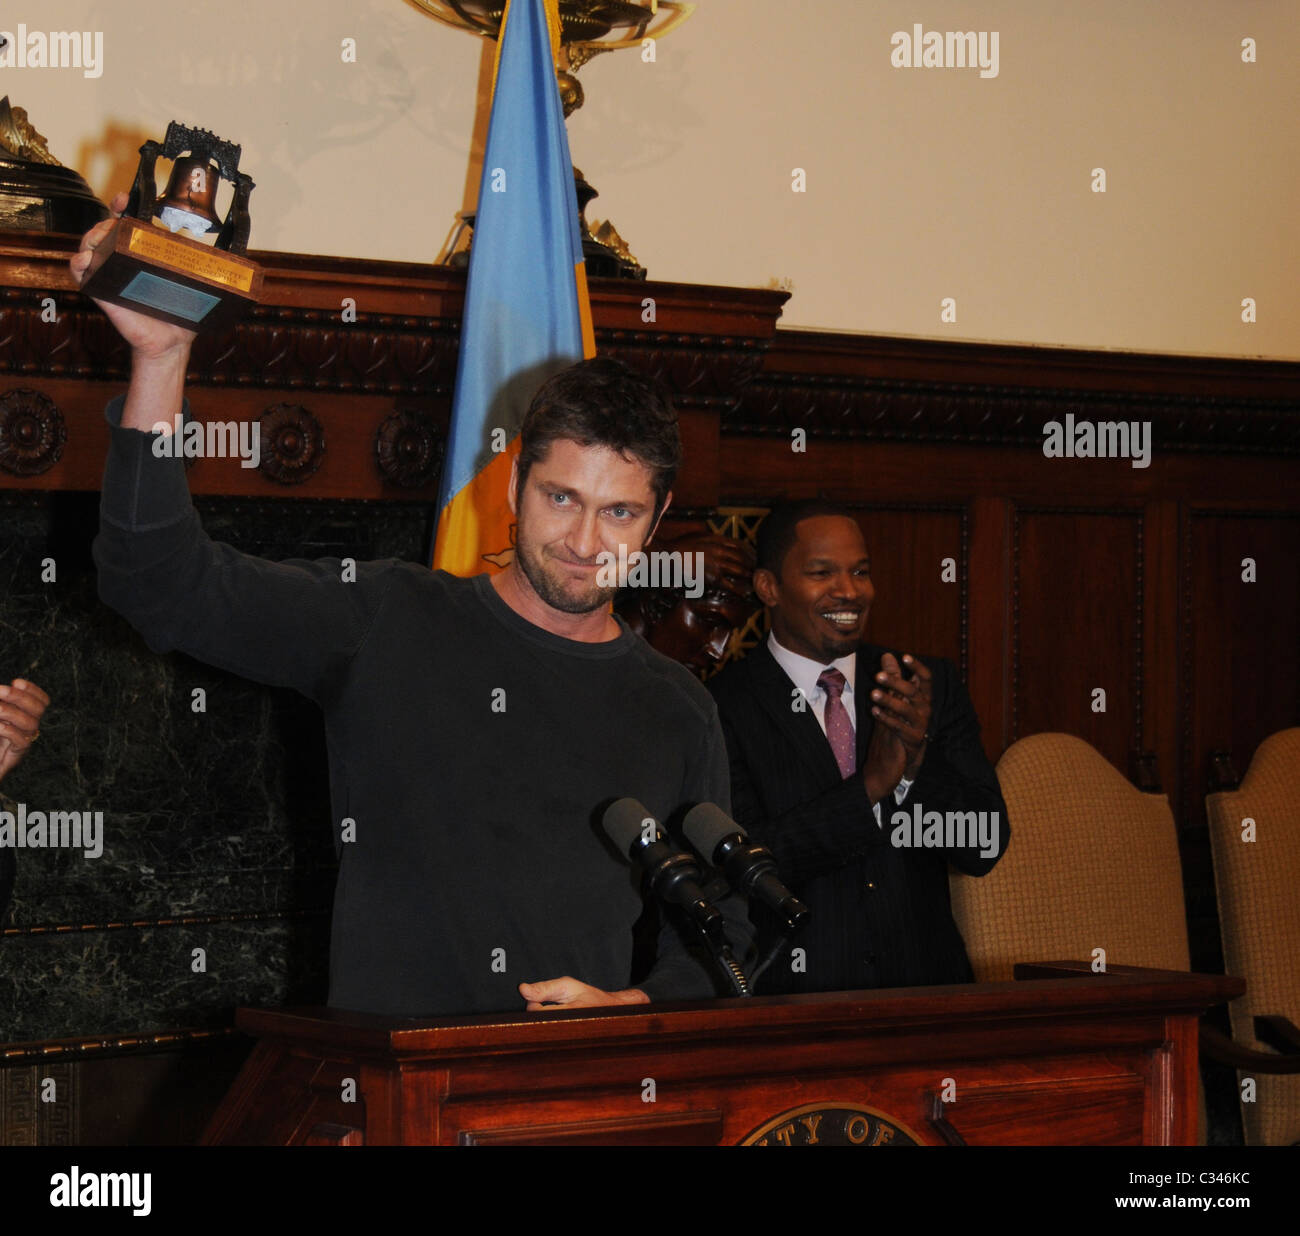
x,y
860,768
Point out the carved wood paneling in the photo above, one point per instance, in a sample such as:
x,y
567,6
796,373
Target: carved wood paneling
x,y
874,409
881,388
32,433
701,374
914,608
409,449
1241,640
1077,626
293,443
357,343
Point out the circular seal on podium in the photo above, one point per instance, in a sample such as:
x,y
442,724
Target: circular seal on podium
x,y
832,1124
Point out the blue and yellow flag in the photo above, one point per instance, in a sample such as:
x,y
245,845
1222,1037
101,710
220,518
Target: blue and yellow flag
x,y
527,313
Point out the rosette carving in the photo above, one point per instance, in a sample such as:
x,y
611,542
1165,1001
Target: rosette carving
x,y
408,449
32,433
292,444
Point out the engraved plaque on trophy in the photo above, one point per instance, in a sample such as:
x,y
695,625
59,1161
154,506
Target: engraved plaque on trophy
x,y
152,260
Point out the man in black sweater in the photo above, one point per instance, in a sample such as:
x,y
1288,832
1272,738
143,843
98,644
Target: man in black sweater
x,y
860,767
476,727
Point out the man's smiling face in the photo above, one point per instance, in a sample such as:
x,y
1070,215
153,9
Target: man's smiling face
x,y
820,600
578,502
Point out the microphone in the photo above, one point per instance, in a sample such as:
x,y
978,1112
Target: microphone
x,y
673,875
751,868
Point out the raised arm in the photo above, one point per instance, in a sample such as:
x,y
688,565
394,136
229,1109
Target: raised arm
x,y
289,624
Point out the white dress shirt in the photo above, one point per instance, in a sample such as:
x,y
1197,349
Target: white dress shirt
x,y
804,672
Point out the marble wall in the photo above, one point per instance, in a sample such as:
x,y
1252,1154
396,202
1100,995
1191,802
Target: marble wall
x,y
215,823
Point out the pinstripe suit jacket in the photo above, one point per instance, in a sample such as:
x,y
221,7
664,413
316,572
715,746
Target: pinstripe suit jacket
x,y
881,916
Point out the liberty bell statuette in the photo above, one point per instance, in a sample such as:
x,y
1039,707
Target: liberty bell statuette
x,y
153,260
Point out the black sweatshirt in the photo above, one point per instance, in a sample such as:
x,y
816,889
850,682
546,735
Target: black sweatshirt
x,y
471,753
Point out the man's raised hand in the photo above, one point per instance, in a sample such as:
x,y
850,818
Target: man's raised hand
x,y
903,705
901,708
147,336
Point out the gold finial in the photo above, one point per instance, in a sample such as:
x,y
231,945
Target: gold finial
x,y
19,136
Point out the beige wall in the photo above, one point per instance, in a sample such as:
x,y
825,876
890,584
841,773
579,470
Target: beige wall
x,y
921,183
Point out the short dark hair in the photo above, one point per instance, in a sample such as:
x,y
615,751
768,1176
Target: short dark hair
x,y
601,402
780,529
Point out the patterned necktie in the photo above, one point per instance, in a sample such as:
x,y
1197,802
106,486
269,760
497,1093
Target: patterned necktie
x,y
839,729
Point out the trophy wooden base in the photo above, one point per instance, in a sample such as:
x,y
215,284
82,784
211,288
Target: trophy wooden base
x,y
171,277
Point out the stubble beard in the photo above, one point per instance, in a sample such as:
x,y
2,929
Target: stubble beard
x,y
550,588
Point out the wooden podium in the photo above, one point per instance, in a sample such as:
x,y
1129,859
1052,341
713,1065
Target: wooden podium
x,y
1059,1057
